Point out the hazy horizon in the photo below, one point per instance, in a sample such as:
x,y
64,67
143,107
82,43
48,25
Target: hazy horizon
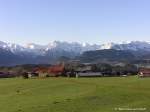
x,y
84,21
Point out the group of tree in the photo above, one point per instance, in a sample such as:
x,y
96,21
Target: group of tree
x,y
72,68
107,69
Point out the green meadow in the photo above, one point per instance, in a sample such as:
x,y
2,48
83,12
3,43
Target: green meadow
x,y
104,94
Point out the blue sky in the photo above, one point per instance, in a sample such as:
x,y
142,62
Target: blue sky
x,y
92,21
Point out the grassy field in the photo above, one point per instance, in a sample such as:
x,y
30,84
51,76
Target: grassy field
x,y
75,95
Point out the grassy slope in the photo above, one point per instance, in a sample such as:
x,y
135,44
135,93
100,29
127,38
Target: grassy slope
x,y
74,95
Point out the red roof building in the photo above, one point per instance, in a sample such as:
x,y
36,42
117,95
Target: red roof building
x,y
145,72
41,70
56,69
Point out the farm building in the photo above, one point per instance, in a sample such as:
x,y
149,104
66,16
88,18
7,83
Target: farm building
x,y
145,72
56,70
6,75
86,71
52,71
41,71
30,74
89,74
84,68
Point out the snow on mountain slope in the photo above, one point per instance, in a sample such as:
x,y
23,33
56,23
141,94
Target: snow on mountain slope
x,y
134,45
11,47
64,46
33,46
73,47
107,46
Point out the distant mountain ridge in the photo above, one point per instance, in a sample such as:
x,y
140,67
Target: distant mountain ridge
x,y
107,55
74,46
12,54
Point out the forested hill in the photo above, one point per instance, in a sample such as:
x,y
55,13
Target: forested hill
x,y
107,55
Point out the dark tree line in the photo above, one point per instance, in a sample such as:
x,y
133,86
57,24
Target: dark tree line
x,y
107,69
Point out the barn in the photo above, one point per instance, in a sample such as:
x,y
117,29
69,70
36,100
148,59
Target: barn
x,y
56,70
89,74
86,71
41,71
144,72
52,71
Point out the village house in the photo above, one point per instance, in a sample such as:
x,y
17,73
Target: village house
x,y
86,71
56,70
89,74
41,71
52,71
144,72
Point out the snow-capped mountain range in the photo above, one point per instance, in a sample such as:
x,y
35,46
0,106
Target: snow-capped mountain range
x,y
13,54
75,47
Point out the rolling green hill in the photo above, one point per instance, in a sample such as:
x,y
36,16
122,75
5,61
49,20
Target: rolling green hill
x,y
74,95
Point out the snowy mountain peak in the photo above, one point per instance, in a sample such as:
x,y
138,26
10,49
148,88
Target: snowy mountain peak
x,y
34,46
107,46
75,47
